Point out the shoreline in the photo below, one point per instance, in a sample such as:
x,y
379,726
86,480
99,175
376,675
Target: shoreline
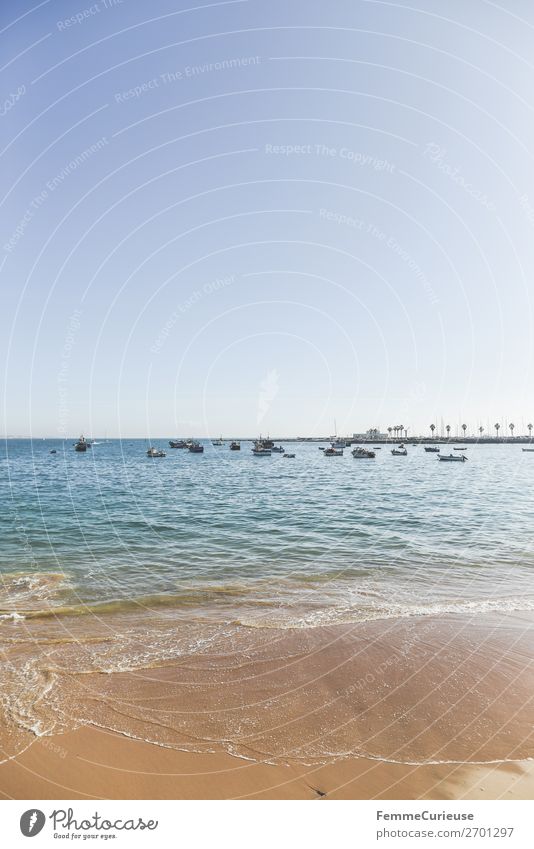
x,y
92,763
437,707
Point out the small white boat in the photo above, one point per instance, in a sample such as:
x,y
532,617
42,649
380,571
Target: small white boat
x,y
451,458
278,449
360,453
400,451
217,442
431,449
155,452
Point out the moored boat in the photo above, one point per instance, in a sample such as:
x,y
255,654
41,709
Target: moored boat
x,y
360,453
155,452
400,451
260,449
217,442
195,447
431,449
278,449
451,458
177,443
333,451
235,446
288,456
82,444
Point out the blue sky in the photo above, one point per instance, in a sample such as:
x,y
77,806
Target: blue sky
x,y
250,216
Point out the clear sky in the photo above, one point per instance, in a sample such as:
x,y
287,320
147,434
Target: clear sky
x,y
227,218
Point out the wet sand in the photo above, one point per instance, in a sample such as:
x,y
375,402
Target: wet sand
x,y
420,708
92,763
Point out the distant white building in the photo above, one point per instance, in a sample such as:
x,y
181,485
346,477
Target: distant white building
x,y
372,433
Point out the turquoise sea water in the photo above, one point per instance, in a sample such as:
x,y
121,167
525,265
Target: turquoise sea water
x,y
264,541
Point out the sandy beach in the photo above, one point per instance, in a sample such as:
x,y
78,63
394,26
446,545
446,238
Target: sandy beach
x,y
422,708
91,763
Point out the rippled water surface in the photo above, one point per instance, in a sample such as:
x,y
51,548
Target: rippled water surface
x,y
269,541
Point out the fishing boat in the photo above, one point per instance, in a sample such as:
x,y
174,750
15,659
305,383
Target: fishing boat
x,y
155,452
451,458
361,453
195,447
217,442
289,456
400,451
431,449
267,443
333,451
278,449
177,443
81,445
260,449
235,446
336,442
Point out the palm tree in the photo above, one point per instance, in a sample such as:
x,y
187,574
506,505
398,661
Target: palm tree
x,y
464,428
432,429
401,428
529,430
481,430
497,426
511,426
448,429
389,431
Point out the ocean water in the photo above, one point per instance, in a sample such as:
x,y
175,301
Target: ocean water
x,y
264,541
304,609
